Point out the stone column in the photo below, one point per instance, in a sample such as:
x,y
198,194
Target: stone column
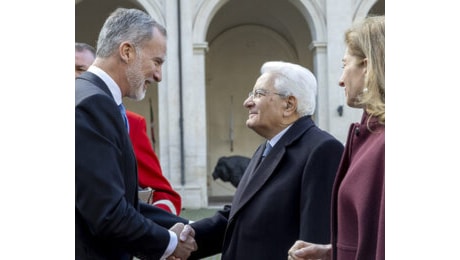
x,y
339,18
320,70
168,101
194,193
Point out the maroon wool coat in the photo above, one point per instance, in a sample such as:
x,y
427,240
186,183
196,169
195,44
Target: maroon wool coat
x,y
358,198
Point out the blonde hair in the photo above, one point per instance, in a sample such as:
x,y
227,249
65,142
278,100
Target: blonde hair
x,y
366,40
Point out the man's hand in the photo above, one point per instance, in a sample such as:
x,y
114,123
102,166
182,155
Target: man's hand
x,y
303,250
186,244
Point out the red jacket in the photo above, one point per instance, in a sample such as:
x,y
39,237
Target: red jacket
x,y
148,166
358,198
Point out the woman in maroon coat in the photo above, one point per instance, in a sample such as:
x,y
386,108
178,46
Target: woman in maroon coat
x,y
358,198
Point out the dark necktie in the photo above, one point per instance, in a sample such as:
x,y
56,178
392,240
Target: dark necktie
x,y
268,147
123,113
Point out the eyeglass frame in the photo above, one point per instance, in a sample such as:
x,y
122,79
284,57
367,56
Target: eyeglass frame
x,y
263,92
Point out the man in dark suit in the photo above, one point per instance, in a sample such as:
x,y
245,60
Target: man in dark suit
x,y
110,222
159,191
284,192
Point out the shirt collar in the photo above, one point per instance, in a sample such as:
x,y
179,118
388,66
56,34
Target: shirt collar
x,y
277,137
113,87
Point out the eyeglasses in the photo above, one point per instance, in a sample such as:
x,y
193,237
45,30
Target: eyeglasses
x,y
262,92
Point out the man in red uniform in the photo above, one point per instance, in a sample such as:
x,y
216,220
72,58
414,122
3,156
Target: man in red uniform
x,y
148,166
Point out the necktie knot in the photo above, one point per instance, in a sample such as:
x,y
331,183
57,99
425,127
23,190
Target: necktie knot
x,y
123,113
268,147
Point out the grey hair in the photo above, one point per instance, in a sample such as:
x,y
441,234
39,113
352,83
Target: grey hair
x,y
81,46
123,24
294,80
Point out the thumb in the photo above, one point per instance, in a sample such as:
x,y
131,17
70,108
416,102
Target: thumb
x,y
187,231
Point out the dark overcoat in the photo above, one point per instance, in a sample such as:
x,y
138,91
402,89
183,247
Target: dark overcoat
x,y
288,198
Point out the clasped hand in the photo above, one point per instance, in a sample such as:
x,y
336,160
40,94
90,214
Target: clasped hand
x,y
186,242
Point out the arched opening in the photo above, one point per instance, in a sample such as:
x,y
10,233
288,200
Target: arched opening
x,y
241,37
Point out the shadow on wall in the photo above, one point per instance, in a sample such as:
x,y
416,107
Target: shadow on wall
x,y
230,169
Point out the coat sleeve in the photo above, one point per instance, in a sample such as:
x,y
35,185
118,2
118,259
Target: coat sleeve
x,y
209,234
160,216
149,169
320,172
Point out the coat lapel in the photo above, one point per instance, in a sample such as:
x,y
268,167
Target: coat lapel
x,y
256,175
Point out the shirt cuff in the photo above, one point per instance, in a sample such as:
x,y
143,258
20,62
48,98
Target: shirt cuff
x,y
171,246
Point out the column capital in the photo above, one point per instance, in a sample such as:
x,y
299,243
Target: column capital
x,y
315,45
200,47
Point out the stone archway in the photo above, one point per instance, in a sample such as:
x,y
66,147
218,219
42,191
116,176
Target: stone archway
x,y
227,100
363,7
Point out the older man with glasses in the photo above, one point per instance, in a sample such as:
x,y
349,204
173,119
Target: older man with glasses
x,y
285,193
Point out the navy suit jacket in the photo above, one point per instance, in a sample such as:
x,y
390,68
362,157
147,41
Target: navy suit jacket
x,y
288,198
110,222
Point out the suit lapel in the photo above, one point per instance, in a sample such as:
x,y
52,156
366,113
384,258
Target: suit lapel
x,y
247,175
250,185
261,174
88,88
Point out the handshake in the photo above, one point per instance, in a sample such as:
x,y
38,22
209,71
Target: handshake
x,y
186,242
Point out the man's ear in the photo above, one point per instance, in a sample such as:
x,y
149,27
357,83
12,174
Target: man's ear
x,y
127,51
291,104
